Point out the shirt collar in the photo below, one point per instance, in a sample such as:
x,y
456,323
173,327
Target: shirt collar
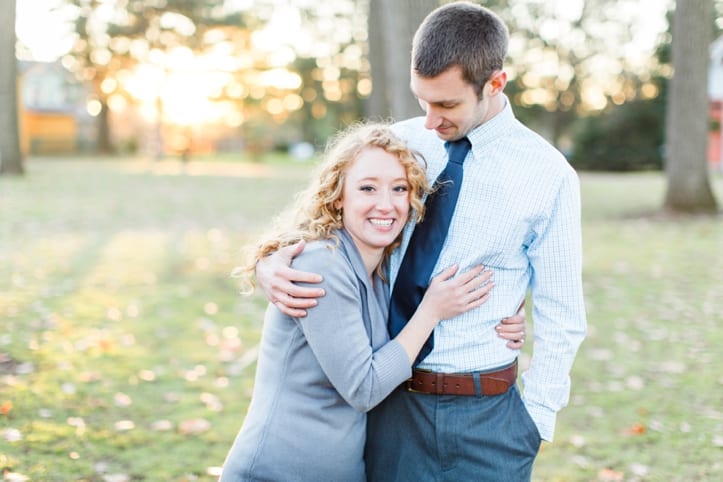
x,y
494,128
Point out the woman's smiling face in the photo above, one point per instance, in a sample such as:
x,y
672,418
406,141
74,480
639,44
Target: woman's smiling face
x,y
374,202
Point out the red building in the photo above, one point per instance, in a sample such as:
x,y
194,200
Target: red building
x,y
715,134
715,94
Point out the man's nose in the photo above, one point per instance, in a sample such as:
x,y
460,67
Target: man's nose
x,y
432,120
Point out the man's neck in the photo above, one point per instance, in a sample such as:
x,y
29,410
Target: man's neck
x,y
497,105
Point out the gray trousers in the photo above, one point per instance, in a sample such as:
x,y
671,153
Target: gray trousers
x,y
417,437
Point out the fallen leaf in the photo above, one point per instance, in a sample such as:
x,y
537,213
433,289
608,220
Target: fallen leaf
x,y
656,425
122,400
78,423
124,425
639,469
114,314
674,367
68,388
212,402
194,426
116,478
195,373
14,477
581,461
635,383
635,429
89,377
12,435
162,426
577,441
600,354
210,308
45,413
214,471
105,345
610,475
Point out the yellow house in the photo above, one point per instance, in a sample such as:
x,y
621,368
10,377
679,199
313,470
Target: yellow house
x,y
51,108
43,132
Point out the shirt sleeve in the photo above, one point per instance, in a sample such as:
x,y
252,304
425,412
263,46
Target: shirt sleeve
x,y
334,330
558,313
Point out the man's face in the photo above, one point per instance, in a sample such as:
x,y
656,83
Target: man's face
x,y
451,104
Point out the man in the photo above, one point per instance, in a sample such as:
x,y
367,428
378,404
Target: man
x,y
518,213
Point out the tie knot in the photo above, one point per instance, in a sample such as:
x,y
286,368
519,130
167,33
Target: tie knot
x,y
457,150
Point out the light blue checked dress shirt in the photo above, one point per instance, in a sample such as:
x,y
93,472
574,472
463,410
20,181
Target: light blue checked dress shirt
x,y
518,213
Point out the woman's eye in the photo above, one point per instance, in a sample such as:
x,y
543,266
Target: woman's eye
x,y
366,188
401,189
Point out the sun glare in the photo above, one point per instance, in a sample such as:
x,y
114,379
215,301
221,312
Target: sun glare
x,y
184,87
45,29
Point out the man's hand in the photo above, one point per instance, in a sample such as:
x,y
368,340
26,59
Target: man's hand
x,y
276,279
513,329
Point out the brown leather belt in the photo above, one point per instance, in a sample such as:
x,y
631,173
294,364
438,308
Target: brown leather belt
x,y
491,383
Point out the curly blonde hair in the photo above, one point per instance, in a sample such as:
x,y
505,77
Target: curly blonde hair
x,y
314,215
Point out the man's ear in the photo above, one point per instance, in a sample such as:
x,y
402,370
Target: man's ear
x,y
497,82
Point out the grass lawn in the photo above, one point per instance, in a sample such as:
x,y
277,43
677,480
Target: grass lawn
x,y
126,353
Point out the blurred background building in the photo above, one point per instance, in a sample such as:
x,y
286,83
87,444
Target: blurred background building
x,y
53,114
715,94
193,78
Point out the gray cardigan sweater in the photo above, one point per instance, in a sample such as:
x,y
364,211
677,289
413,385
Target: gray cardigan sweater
x,y
317,376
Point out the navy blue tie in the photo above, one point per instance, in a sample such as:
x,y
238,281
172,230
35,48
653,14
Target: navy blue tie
x,y
426,244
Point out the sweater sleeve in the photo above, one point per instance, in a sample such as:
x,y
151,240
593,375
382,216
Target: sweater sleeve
x,y
334,330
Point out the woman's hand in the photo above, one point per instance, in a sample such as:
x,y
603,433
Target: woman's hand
x,y
513,329
449,295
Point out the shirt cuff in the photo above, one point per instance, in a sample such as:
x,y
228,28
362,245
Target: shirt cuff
x,y
544,419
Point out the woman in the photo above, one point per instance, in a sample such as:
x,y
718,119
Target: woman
x,y
318,375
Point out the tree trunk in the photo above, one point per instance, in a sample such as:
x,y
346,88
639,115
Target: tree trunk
x,y
392,24
686,166
376,104
103,144
11,159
